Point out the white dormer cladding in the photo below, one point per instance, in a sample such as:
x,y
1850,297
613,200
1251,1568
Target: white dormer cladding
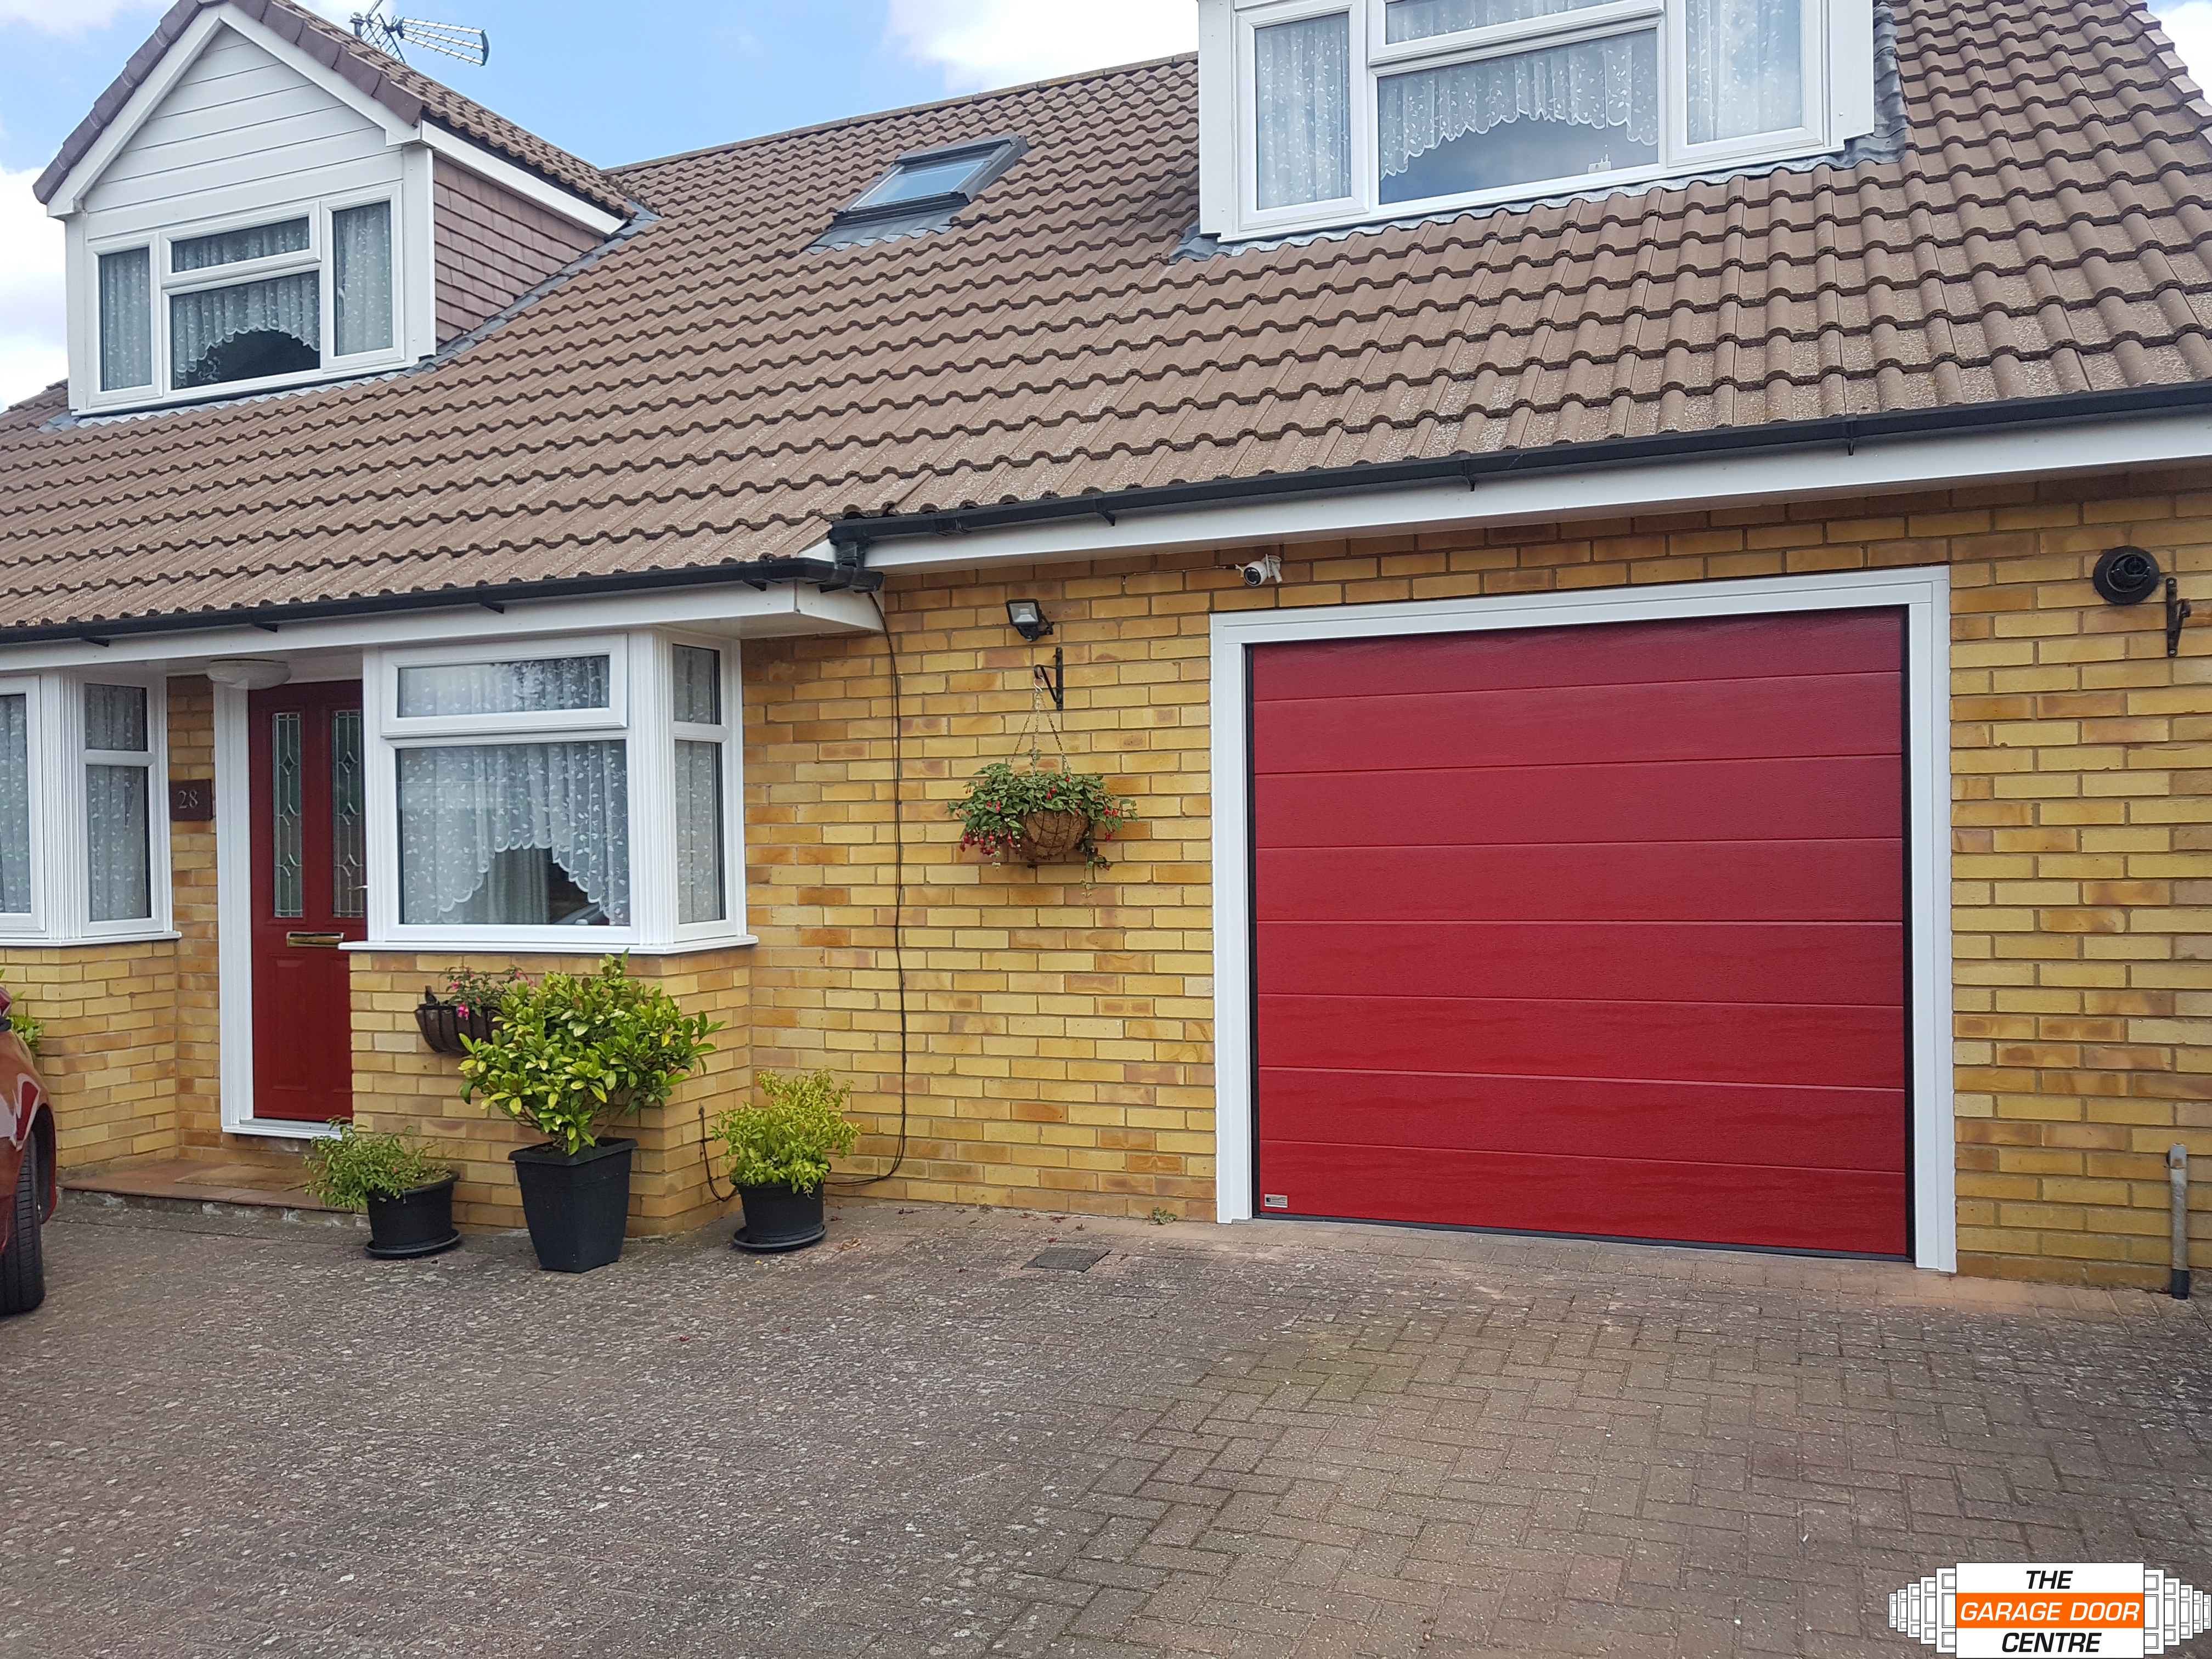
x,y
1318,114
251,220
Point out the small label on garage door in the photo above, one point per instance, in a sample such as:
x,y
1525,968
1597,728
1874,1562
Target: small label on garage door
x,y
1276,1200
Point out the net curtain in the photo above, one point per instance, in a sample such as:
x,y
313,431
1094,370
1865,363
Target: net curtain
x,y
201,321
1746,68
461,809
15,805
1302,111
1612,83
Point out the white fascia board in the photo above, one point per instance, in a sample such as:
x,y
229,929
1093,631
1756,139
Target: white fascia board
x,y
69,197
1562,494
726,608
520,181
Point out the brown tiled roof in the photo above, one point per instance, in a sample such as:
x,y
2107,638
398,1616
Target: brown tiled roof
x,y
406,92
709,391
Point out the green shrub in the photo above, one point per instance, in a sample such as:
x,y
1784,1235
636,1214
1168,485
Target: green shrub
x,y
468,988
356,1165
569,1051
788,1141
24,1026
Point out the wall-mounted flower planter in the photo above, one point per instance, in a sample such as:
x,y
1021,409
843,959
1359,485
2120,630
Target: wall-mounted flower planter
x,y
443,1025
1052,838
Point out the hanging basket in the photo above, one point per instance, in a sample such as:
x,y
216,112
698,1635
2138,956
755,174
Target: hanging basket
x,y
1052,838
443,1025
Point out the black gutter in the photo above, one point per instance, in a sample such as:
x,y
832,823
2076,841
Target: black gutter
x,y
852,537
757,574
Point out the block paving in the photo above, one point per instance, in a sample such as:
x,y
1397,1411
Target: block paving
x,y
237,1436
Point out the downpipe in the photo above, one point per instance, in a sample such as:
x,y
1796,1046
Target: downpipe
x,y
2177,1181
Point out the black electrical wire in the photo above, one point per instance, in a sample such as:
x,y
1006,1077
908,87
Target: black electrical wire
x,y
898,897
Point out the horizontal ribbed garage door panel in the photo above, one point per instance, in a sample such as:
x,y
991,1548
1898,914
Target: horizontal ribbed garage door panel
x,y
1723,1042
1700,1122
1682,881
1590,930
1721,719
1841,963
1633,653
1771,1208
1790,798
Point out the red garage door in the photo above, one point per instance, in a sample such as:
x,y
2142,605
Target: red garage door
x,y
1586,930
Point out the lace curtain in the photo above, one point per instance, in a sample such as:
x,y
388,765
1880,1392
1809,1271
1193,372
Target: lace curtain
x,y
229,247
15,805
1612,83
126,321
121,870
1745,67
1303,111
535,687
1417,20
698,832
361,274
462,809
241,333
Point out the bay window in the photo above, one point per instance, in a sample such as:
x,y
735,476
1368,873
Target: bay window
x,y
268,299
570,795
84,849
1324,113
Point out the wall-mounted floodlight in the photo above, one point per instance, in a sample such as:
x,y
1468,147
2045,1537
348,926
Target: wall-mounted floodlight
x,y
1027,616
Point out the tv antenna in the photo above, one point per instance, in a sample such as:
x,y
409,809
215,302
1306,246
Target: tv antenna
x,y
391,35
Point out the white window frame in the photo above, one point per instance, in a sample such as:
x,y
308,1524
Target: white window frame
x,y
318,256
61,875
642,702
1833,76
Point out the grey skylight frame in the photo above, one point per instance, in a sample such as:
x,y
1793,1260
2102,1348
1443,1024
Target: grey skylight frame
x,y
855,224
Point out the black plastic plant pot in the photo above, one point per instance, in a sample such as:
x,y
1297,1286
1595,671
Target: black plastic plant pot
x,y
419,1222
577,1205
779,1218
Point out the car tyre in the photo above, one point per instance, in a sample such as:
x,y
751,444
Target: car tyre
x,y
23,1263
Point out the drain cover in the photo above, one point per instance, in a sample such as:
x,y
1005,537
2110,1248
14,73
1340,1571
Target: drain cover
x,y
1068,1260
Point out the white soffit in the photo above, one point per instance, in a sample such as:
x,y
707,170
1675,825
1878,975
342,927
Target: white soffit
x,y
1556,495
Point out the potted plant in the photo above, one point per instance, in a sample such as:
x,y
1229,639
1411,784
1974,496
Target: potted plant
x,y
406,1189
469,1008
1040,816
567,1052
780,1153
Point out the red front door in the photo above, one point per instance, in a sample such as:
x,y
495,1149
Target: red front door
x,y
310,891
1588,930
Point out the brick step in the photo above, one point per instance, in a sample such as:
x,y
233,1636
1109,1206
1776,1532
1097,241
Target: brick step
x,y
233,1183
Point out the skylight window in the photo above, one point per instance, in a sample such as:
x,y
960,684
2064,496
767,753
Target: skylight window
x,y
922,190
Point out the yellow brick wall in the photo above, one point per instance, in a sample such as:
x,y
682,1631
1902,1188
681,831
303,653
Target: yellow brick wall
x,y
400,1085
1061,1039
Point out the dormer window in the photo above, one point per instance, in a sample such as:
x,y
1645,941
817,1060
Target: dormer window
x,y
921,191
1343,114
267,302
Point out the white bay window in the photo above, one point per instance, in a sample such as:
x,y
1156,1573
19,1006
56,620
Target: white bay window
x,y
84,844
1329,113
569,796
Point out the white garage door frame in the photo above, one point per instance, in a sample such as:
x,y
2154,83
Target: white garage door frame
x,y
1924,593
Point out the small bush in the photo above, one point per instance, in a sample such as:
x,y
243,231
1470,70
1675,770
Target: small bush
x,y
569,1051
356,1165
789,1140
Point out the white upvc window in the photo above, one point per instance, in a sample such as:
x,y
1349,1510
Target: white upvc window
x,y
575,794
84,842
247,302
1343,112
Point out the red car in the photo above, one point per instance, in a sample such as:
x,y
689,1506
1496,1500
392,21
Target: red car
x,y
29,1187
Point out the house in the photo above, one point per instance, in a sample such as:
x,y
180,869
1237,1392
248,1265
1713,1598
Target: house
x,y
1579,526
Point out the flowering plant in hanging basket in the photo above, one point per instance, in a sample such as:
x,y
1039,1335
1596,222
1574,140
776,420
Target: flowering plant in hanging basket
x,y
1039,816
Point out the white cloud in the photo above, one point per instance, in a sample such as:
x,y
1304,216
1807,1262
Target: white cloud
x,y
33,353
1001,43
2190,24
71,16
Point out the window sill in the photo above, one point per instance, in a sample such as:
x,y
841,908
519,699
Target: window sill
x,y
539,947
83,941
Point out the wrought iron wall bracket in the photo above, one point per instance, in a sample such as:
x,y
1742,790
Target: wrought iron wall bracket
x,y
2176,612
1055,682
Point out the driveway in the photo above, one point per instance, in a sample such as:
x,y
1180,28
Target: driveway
x,y
242,1437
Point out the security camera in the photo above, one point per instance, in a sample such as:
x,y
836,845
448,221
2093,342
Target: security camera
x,y
1260,572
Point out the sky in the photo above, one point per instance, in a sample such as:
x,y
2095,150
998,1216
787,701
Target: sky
x,y
614,83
